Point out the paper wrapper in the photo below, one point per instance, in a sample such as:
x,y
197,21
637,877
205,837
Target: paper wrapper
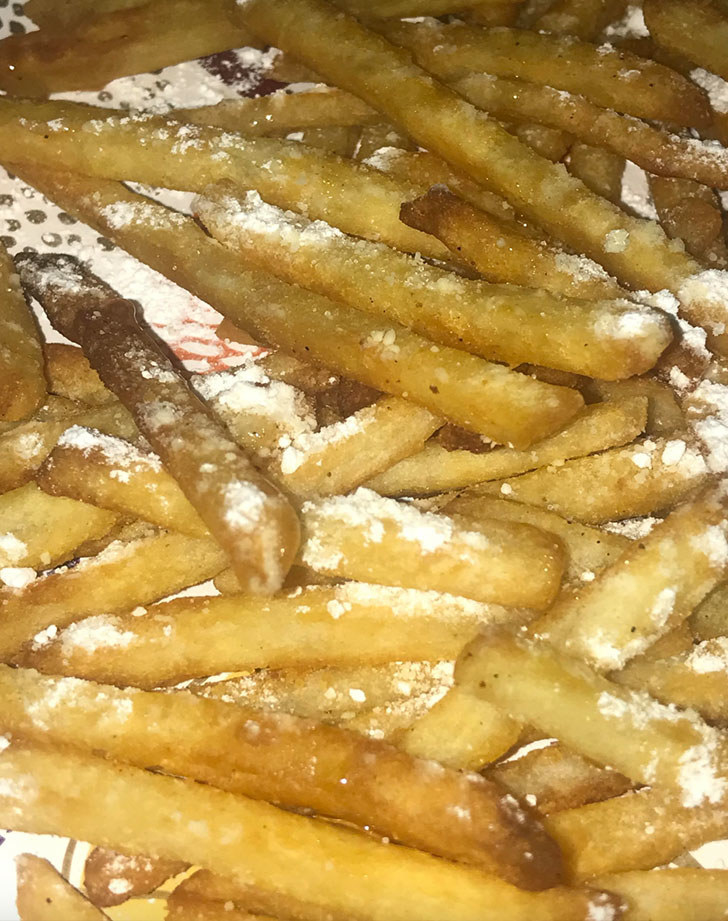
x,y
28,221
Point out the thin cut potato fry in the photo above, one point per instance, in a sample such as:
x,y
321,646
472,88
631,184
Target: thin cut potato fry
x,y
340,870
373,138
600,426
648,591
694,678
335,139
347,625
551,143
253,522
460,732
40,531
122,576
492,14
588,549
640,479
70,375
554,778
649,742
695,29
135,875
665,894
474,237
604,339
366,537
22,382
664,414
44,895
220,744
680,639
184,906
600,170
635,250
86,463
710,619
691,212
582,18
614,79
479,395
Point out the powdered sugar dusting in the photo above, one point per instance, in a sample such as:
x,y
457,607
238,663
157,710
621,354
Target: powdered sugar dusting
x,y
95,633
716,88
709,656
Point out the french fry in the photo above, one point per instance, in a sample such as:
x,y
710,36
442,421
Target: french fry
x,y
366,537
184,906
40,531
373,138
680,639
664,414
600,426
87,463
22,382
110,877
691,212
25,447
122,576
694,678
44,895
252,521
695,29
649,742
551,143
613,79
494,14
582,18
252,841
657,582
600,170
455,311
588,549
474,236
661,895
553,778
49,14
220,744
335,139
347,625
70,375
605,486
710,618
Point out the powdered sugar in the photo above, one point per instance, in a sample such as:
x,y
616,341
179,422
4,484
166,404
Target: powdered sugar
x,y
115,451
243,505
95,633
709,656
716,88
12,549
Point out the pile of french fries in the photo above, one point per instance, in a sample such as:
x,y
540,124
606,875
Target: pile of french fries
x,y
458,644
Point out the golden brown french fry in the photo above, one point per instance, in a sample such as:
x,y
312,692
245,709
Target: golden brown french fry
x,y
347,625
22,382
647,592
614,79
44,895
695,29
664,414
582,18
622,339
677,892
25,447
553,778
70,375
338,869
494,14
110,877
454,815
39,531
600,170
551,143
250,518
474,237
87,463
649,742
588,549
366,537
184,906
694,678
600,426
710,618
640,479
373,138
691,212
52,13
122,576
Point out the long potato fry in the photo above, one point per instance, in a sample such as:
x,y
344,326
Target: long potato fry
x,y
348,625
636,251
600,170
349,874
220,743
600,426
640,479
621,340
710,618
110,877
677,892
650,590
583,18
39,531
22,382
184,906
691,212
315,328
664,414
695,29
649,742
588,549
44,895
70,375
122,576
610,78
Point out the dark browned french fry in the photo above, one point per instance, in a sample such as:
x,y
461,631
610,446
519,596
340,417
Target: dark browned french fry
x,y
110,877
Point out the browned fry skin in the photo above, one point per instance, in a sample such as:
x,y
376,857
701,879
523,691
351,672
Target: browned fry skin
x,y
251,519
691,212
111,878
600,170
44,895
70,375
292,762
583,18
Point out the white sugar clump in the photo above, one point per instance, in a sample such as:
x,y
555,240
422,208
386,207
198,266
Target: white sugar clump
x,y
636,192
119,886
12,549
663,606
243,504
716,88
115,451
119,214
699,775
673,452
616,241
98,632
630,324
45,636
412,602
713,544
631,25
709,400
17,577
300,448
709,656
580,268
710,288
